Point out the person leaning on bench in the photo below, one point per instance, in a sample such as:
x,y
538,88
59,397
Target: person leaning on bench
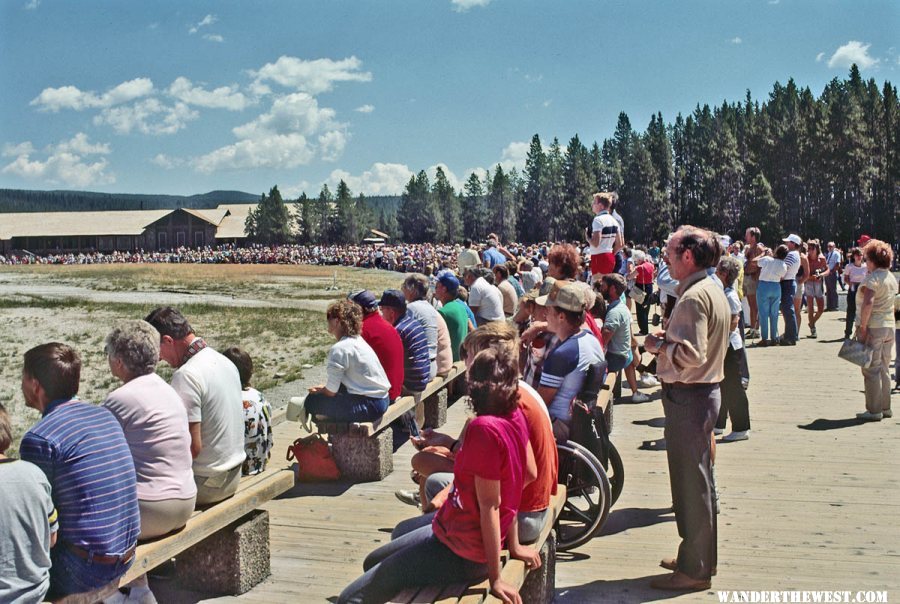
x,y
83,452
356,387
464,541
210,388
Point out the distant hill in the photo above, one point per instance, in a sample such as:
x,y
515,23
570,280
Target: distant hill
x,y
17,200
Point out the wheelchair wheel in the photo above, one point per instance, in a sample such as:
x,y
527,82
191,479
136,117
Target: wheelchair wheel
x,y
615,472
587,496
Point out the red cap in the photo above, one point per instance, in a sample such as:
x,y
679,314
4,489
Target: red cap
x,y
863,239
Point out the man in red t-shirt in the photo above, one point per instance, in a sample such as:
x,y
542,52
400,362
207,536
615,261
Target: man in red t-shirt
x,y
383,338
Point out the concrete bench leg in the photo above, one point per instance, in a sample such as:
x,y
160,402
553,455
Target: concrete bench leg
x,y
363,458
231,561
540,584
436,409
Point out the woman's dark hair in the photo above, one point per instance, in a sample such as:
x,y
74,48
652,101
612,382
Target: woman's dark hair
x,y
566,257
493,381
781,252
243,362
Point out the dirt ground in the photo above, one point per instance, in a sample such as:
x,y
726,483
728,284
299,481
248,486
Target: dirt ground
x,y
275,312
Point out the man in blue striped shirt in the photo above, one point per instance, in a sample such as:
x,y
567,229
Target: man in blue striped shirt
x,y
83,452
416,361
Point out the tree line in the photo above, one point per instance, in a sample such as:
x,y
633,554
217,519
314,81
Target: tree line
x,y
823,167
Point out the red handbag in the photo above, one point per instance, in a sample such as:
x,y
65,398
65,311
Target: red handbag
x,y
315,463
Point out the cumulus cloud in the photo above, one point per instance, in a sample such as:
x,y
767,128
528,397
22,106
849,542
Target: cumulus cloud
x,y
150,116
314,77
213,38
32,4
64,163
819,57
298,112
224,97
380,179
853,52
70,97
462,6
166,161
277,151
205,22
736,40
365,109
331,145
513,155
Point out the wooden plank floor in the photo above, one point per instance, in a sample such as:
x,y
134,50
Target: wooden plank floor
x,y
810,502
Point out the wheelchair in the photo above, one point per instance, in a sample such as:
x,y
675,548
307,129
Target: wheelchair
x,y
590,467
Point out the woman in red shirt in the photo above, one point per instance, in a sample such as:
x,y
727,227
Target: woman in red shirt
x,y
492,466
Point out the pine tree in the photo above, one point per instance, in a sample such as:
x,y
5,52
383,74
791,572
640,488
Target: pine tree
x,y
323,215
531,212
271,221
445,199
472,213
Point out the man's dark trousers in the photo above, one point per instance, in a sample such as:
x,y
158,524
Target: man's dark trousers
x,y
691,412
831,293
788,289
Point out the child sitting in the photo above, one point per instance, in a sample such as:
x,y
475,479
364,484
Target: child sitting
x,y
257,416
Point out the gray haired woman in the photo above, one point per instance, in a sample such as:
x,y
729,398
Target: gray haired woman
x,y
155,423
734,397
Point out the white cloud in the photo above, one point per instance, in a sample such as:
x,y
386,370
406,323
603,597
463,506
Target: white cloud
x,y
291,192
205,22
774,1
314,77
380,179
213,38
167,161
298,112
365,109
462,6
513,155
736,40
149,116
547,103
70,97
853,52
65,162
275,151
331,144
224,97
819,57
32,4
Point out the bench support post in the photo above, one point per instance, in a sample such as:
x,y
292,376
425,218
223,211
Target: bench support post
x,y
436,409
363,458
231,561
540,584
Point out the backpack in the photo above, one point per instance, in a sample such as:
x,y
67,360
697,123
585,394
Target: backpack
x,y
315,463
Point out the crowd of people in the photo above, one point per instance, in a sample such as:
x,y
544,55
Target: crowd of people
x,y
530,322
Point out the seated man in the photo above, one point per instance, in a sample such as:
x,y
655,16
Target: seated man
x,y
485,300
566,367
415,344
415,289
210,387
83,452
30,526
453,311
383,338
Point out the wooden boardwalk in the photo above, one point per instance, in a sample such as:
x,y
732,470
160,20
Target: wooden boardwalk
x,y
810,502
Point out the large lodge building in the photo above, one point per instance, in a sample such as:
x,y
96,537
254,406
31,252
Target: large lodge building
x,y
123,230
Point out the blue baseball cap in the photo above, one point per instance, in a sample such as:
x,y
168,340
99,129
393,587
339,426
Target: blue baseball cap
x,y
364,298
449,280
393,298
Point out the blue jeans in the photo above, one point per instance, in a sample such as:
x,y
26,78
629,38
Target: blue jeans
x,y
768,297
788,289
412,560
346,407
73,575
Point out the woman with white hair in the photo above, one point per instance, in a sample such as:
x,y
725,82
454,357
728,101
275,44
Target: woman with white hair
x,y
155,424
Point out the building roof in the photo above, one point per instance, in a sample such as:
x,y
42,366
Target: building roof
x,y
74,224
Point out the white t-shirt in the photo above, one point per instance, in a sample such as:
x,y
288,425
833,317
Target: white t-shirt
x,y
353,363
771,269
793,265
488,300
210,388
608,227
856,274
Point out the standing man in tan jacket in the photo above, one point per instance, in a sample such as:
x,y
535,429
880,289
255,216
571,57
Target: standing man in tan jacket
x,y
691,356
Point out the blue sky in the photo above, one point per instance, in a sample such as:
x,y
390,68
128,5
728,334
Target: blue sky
x,y
186,97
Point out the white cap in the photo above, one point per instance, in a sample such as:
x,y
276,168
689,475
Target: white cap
x,y
795,239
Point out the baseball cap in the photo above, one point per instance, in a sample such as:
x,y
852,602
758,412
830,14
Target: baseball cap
x,y
393,298
564,295
449,280
792,238
364,298
863,239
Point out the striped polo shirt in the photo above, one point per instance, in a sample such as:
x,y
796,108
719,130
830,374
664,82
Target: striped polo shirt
x,y
416,363
83,452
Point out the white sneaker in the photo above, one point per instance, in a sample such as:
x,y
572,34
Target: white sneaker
x,y
718,431
647,381
639,397
408,497
736,436
870,417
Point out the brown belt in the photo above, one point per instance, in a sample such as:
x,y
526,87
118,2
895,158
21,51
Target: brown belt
x,y
99,558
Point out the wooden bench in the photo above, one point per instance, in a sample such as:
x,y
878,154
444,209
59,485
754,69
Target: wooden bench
x,y
224,548
364,451
535,586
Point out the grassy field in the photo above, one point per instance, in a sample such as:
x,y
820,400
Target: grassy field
x,y
283,336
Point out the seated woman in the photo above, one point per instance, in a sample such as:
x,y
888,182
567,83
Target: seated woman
x,y
463,543
155,424
357,387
